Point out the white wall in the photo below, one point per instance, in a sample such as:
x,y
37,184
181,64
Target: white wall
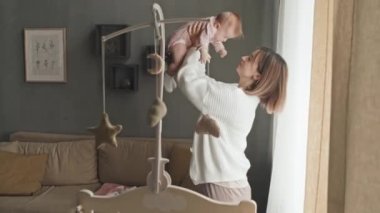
x,y
294,43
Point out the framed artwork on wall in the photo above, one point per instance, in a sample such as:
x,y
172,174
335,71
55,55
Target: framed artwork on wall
x,y
45,55
118,47
125,77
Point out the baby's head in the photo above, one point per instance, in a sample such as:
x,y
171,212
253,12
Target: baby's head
x,y
228,26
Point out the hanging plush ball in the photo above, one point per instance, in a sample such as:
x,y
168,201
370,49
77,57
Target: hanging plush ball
x,y
106,132
157,64
207,125
156,112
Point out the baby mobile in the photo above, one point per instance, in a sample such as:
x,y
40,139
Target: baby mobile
x,y
106,132
159,193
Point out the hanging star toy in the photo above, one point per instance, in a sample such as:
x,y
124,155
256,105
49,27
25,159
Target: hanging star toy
x,y
106,132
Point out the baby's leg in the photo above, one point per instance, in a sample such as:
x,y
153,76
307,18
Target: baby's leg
x,y
178,52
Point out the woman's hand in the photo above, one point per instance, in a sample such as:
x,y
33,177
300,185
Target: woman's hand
x,y
192,56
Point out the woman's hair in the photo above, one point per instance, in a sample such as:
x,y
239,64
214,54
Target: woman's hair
x,y
271,88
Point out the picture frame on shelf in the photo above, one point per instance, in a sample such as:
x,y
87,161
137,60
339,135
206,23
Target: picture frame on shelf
x,y
124,77
45,55
118,47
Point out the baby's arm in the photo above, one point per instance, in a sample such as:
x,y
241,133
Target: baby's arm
x,y
204,40
219,48
205,56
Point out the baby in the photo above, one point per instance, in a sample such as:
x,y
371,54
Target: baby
x,y
200,34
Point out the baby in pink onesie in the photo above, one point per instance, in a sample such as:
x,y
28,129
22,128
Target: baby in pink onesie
x,y
200,34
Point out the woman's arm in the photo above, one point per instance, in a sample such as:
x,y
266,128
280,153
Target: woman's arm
x,y
192,79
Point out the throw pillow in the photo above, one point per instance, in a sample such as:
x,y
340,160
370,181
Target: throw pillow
x,y
21,174
69,163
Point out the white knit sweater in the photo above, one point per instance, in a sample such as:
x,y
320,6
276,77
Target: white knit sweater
x,y
217,159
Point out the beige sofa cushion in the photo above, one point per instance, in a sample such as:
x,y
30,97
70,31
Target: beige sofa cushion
x,y
9,147
47,137
128,164
56,199
179,164
69,163
21,174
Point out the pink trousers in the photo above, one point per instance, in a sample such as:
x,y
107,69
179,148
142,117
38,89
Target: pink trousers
x,y
225,194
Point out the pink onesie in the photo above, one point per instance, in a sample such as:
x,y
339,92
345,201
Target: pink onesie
x,y
206,36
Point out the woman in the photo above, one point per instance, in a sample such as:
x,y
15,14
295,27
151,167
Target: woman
x,y
218,165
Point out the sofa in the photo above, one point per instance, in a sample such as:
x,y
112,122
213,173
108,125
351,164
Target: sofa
x,y
74,163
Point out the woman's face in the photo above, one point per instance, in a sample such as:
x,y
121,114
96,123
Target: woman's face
x,y
247,69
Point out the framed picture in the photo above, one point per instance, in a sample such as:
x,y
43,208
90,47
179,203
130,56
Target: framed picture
x,y
45,54
118,47
125,77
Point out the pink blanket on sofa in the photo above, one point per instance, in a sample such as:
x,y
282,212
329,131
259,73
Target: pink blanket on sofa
x,y
113,189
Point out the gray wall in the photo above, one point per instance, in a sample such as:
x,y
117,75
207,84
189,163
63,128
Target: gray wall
x,y
71,107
